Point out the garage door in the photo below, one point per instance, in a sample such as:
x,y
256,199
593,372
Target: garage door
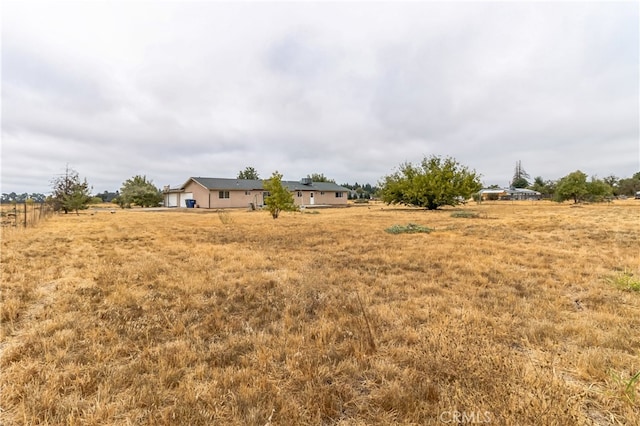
x,y
172,200
186,196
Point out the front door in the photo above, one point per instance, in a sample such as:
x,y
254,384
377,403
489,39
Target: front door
x,y
311,200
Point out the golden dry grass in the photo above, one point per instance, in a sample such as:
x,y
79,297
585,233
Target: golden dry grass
x,y
193,317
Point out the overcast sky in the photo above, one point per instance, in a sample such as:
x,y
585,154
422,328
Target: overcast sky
x,y
348,89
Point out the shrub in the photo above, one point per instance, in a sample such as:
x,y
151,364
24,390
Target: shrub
x,y
410,228
224,216
626,280
465,214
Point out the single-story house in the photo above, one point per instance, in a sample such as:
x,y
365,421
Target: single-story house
x,y
508,194
218,193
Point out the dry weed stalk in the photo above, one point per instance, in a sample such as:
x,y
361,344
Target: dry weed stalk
x,y
370,340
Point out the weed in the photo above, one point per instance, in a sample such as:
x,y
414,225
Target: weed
x,y
626,280
410,228
370,340
629,385
224,216
465,214
630,389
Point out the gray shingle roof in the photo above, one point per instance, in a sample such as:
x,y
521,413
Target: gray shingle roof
x,y
227,184
251,184
293,185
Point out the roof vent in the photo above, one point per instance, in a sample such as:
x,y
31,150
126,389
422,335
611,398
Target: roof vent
x,y
306,181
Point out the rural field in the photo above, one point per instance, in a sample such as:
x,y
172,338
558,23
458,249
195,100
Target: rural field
x,y
506,313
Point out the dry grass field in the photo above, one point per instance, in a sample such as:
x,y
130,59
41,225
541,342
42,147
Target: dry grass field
x,y
528,314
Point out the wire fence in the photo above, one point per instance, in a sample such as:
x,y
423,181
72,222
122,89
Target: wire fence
x,y
24,215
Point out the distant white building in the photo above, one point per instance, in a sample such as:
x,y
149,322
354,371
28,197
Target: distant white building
x,y
508,194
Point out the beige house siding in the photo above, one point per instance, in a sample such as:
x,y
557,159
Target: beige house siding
x,y
329,197
200,194
217,193
303,198
236,199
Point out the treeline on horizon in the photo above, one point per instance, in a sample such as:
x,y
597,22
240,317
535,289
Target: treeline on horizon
x,y
617,187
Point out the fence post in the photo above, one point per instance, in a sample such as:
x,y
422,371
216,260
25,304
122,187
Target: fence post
x,y
25,214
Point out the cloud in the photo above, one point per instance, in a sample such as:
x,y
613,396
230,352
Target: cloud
x,y
348,89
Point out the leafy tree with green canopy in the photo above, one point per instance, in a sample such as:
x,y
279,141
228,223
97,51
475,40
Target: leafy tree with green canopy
x,y
69,193
572,186
629,186
598,190
80,197
279,198
107,196
434,183
520,177
611,180
538,184
139,191
546,188
248,173
320,177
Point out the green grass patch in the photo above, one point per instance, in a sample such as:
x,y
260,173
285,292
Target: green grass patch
x,y
410,228
630,389
465,214
629,385
626,280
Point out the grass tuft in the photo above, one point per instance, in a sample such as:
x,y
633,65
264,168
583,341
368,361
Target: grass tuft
x,y
410,228
465,214
626,280
224,216
630,389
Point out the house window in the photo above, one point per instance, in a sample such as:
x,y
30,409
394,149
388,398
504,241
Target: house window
x,y
339,194
299,194
247,192
321,192
223,194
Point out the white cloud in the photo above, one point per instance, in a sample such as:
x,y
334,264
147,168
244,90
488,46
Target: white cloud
x,y
348,89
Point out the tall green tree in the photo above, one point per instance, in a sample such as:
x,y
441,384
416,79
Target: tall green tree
x,y
69,192
434,183
139,191
545,187
520,177
248,173
319,177
538,184
598,190
80,197
572,186
279,198
611,180
628,186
